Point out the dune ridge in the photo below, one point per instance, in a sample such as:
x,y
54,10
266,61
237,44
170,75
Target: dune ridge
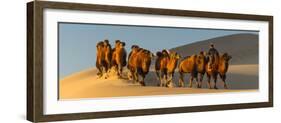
x,y
242,47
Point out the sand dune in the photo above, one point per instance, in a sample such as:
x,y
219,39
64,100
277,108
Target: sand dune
x,y
86,84
242,47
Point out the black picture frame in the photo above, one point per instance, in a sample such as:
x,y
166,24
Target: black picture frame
x,y
35,60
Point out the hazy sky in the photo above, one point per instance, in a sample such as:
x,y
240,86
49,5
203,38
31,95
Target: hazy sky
x,y
77,42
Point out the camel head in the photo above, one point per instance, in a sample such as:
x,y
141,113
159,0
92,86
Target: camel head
x,y
173,61
106,42
99,45
201,59
174,55
146,59
158,54
165,53
226,57
123,44
119,44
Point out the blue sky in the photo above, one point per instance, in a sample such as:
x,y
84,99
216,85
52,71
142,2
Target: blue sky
x,y
77,42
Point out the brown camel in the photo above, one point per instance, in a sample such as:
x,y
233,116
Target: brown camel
x,y
139,64
188,65
201,69
103,60
134,49
132,61
107,54
223,67
119,55
212,68
100,62
161,57
165,66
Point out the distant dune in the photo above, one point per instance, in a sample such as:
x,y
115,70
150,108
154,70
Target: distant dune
x,y
242,47
241,77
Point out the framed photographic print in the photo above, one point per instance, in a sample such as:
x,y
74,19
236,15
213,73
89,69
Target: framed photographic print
x,y
96,61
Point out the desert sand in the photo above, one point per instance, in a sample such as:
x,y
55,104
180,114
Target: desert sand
x,y
86,84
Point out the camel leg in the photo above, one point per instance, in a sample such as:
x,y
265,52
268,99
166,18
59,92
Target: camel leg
x,y
120,70
105,72
181,80
164,80
132,76
167,80
136,78
190,81
142,81
157,74
99,71
223,77
115,69
108,66
158,77
105,68
201,75
209,81
215,81
108,69
193,75
166,77
170,80
170,75
161,78
197,82
129,75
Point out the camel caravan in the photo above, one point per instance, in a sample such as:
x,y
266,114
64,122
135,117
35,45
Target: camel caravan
x,y
139,60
